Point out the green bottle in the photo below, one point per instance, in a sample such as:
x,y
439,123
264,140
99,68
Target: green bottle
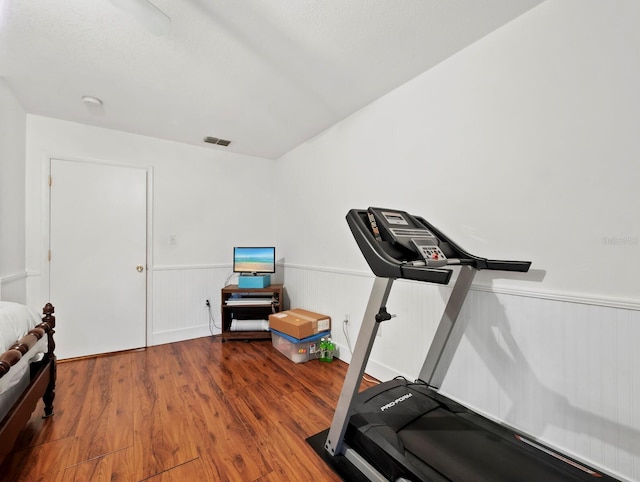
x,y
327,347
331,348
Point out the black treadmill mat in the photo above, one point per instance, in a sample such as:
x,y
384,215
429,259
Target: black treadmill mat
x,y
339,464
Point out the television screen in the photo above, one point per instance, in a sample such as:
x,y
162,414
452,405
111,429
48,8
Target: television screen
x,y
254,260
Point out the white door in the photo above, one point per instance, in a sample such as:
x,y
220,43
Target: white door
x,y
98,226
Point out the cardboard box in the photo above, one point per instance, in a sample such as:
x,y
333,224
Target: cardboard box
x,y
299,323
298,351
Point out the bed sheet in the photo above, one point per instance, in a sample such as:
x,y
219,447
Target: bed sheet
x,y
15,322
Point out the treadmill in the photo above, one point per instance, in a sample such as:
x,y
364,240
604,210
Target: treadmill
x,y
407,431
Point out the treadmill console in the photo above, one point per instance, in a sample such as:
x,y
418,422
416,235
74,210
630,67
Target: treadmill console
x,y
403,229
397,244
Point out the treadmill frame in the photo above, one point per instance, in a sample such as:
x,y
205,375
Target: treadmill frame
x,y
434,369
443,346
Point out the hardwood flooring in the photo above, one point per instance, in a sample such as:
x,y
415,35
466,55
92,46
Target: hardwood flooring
x,y
194,410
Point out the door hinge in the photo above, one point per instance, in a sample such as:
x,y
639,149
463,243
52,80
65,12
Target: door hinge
x,y
50,180
49,255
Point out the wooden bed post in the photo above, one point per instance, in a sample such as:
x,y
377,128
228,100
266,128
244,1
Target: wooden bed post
x,y
41,385
50,393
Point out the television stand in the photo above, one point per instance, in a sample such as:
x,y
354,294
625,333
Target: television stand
x,y
248,305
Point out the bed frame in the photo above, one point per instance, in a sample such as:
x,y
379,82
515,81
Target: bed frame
x,y
42,385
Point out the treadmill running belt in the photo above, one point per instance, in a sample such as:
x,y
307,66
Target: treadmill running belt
x,y
409,430
460,450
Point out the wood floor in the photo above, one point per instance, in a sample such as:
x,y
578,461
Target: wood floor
x,y
195,410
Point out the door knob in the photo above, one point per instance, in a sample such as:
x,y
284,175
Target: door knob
x,y
139,268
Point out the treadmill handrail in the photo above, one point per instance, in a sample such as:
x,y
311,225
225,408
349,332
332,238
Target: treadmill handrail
x,y
479,262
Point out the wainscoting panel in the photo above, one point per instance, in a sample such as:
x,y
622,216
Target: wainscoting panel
x,y
566,373
339,295
562,372
179,311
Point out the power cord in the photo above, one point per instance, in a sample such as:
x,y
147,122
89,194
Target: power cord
x,y
346,335
212,321
231,275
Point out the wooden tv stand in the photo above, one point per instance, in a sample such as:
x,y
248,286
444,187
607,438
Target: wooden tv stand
x,y
237,303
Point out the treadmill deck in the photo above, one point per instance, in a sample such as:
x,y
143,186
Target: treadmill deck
x,y
409,430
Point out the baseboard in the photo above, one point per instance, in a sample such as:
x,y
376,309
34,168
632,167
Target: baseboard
x,y
172,336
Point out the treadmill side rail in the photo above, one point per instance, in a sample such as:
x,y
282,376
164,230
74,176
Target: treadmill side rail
x,y
363,466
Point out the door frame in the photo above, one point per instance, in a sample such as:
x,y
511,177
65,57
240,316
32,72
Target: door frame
x,y
45,287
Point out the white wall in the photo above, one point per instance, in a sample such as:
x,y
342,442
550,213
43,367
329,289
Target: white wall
x,y
210,200
12,196
523,146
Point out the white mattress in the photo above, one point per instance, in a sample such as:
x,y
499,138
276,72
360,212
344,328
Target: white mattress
x,y
15,321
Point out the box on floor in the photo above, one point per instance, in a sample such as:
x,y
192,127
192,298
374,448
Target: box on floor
x,y
299,323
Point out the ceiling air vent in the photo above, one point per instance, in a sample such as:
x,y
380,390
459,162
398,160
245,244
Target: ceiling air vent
x,y
215,140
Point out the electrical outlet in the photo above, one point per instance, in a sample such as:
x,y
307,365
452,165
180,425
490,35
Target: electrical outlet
x,y
207,302
346,319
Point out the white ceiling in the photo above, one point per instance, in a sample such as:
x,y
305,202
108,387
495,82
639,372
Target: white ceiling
x,y
265,74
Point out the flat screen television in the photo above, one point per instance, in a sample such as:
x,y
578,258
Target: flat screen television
x,y
254,260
